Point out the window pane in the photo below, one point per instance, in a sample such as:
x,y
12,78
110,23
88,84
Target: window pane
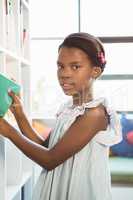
x,y
107,18
54,18
119,58
118,93
46,92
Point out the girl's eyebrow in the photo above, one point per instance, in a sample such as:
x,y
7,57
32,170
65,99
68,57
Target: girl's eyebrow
x,y
71,63
58,62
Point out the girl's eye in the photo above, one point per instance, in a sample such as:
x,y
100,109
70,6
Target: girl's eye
x,y
75,67
59,66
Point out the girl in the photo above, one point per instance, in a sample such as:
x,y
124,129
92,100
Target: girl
x,y
75,165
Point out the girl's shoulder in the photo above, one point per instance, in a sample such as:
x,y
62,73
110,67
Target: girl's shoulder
x,y
70,109
112,135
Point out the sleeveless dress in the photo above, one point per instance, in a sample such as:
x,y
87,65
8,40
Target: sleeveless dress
x,y
86,175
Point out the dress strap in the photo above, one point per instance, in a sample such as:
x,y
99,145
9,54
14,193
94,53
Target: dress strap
x,y
112,135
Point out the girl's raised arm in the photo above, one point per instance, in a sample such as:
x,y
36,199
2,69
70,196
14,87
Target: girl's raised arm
x,y
76,137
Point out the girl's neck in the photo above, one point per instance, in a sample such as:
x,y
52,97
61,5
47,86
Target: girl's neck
x,y
82,98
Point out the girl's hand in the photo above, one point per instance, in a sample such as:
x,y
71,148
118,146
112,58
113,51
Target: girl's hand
x,y
16,107
4,128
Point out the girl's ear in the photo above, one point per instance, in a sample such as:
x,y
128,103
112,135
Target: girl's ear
x,y
96,72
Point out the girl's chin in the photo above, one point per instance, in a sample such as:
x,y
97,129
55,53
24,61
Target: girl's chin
x,y
70,93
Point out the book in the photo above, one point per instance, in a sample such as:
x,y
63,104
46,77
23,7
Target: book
x,y
6,85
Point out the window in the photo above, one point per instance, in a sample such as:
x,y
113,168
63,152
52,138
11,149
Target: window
x,y
54,18
46,92
118,93
109,20
119,58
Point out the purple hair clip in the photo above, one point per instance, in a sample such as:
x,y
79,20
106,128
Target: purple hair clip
x,y
101,58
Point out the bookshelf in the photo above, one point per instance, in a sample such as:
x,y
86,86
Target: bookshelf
x,y
16,169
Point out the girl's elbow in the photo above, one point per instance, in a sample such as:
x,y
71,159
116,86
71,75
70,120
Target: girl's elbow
x,y
51,163
49,167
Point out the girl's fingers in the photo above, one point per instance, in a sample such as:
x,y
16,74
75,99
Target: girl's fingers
x,y
11,94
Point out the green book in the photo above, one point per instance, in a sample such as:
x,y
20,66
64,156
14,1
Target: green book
x,y
5,100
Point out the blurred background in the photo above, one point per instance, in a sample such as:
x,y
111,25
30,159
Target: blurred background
x,y
51,21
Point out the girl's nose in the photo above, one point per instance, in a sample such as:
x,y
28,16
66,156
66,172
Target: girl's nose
x,y
66,72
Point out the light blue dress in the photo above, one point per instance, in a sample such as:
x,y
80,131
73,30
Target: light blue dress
x,y
86,175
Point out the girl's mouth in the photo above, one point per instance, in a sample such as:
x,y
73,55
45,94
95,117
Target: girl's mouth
x,y
67,86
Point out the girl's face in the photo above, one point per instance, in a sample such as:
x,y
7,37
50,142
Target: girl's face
x,y
75,71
